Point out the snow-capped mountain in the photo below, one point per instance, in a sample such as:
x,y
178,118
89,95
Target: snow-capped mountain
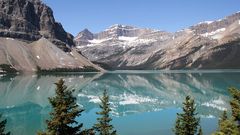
x,y
119,32
209,44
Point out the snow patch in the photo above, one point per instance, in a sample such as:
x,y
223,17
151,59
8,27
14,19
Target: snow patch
x,y
217,103
174,102
93,99
134,99
119,26
140,41
207,116
8,107
214,106
70,79
38,57
79,47
9,38
213,32
127,38
38,88
206,22
97,41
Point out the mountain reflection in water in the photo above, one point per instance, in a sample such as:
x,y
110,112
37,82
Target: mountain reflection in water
x,y
24,99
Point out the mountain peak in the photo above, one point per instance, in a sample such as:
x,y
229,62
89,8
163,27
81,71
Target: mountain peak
x,y
116,27
212,26
84,35
86,30
29,20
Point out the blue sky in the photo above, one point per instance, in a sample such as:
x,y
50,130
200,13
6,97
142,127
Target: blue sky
x,y
168,15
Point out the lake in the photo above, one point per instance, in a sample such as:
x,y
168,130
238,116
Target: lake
x,y
142,102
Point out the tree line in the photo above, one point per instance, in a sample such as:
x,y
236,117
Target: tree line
x,y
65,110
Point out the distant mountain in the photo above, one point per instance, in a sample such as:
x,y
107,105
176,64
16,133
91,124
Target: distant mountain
x,y
207,45
30,38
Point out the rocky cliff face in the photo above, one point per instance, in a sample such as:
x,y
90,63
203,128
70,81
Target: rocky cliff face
x,y
30,38
29,20
207,45
83,37
211,26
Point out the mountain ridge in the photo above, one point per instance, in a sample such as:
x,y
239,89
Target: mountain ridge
x,y
129,47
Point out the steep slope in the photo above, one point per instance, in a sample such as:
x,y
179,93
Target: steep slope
x,y
30,20
30,38
28,57
207,45
122,46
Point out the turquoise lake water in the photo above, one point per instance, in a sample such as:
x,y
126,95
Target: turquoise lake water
x,y
142,102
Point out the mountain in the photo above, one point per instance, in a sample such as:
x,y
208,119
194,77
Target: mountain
x,y
207,45
30,38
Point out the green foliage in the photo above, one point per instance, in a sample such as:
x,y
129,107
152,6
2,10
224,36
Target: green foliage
x,y
177,128
65,110
200,132
187,123
103,126
231,126
57,70
3,126
8,69
226,126
223,117
235,104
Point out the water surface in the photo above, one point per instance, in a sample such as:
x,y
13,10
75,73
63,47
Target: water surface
x,y
143,102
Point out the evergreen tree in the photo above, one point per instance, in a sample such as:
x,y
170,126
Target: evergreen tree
x,y
231,126
65,110
226,126
177,128
187,123
103,126
200,132
235,105
3,126
223,117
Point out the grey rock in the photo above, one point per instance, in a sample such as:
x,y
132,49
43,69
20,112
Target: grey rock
x,y
83,37
209,26
29,20
207,45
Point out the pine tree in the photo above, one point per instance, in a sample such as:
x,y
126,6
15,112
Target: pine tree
x,y
235,105
200,132
65,110
226,126
231,126
3,126
187,123
223,117
103,126
177,128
